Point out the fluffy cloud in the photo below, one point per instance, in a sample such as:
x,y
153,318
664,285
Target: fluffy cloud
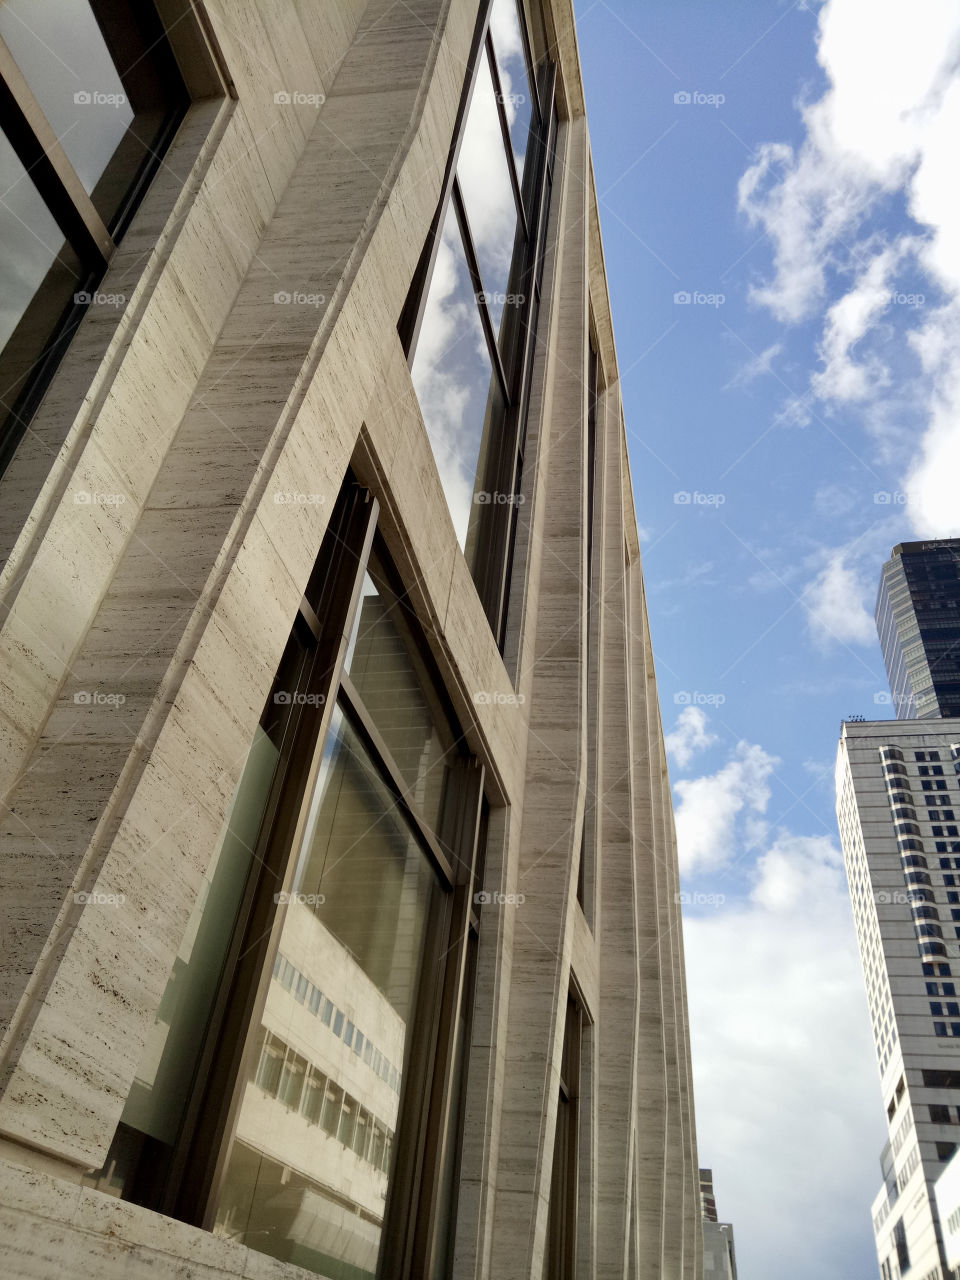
x,y
689,736
834,601
719,813
880,140
789,1109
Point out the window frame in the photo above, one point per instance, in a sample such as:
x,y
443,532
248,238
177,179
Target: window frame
x,y
513,366
188,1188
52,175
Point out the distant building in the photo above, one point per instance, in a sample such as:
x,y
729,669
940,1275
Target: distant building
x,y
898,807
948,1207
918,619
719,1258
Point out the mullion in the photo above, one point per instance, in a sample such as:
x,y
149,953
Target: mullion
x,y
48,168
507,140
360,719
478,291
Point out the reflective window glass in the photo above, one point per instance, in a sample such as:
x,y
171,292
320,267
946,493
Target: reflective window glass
x,y
452,374
59,47
105,81
384,664
488,193
363,895
514,76
39,275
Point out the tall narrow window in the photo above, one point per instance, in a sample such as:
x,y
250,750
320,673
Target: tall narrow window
x,y
469,323
561,1254
90,97
290,1094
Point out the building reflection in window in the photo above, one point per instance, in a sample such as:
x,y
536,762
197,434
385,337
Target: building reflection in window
x,y
310,1166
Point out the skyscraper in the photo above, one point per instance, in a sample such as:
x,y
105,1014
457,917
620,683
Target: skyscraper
x,y
918,620
898,807
719,1257
339,881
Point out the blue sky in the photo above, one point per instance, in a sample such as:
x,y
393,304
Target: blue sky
x,y
810,416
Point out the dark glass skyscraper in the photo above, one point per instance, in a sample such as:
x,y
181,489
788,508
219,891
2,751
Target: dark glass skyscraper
x,y
918,619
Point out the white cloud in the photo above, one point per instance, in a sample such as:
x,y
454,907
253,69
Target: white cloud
x,y
887,126
755,367
719,813
789,1113
835,603
848,320
689,736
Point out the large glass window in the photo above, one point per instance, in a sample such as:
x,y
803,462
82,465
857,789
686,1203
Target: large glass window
x,y
470,321
90,95
289,1095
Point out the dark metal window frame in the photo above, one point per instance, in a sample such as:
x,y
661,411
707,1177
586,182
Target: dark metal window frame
x,y
47,166
188,1186
512,366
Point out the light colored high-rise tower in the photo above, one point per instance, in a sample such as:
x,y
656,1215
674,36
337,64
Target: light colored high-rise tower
x,y
338,883
898,807
719,1256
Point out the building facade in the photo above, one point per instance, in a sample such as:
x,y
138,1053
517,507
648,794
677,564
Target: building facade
x,y
918,620
948,1211
719,1256
340,919
898,807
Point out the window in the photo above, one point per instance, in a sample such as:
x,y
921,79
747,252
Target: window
x,y
76,153
562,1217
945,1150
470,321
900,1243
933,988
936,1009
366,766
935,1079
940,1028
939,1114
